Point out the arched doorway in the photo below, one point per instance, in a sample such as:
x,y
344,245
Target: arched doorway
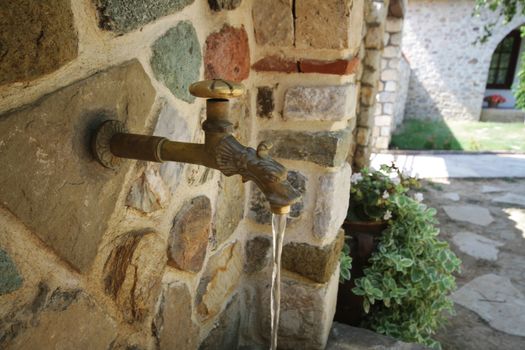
x,y
502,77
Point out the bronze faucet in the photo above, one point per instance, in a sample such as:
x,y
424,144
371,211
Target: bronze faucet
x,y
220,150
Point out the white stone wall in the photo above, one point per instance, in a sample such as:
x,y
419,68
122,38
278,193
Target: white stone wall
x,y
448,72
402,93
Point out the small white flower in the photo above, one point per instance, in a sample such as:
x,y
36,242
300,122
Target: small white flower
x,y
388,215
396,181
418,196
355,178
385,195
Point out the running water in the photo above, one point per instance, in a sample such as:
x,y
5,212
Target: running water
x,y
278,227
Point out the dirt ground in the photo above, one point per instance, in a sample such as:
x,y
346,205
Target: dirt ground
x,y
467,330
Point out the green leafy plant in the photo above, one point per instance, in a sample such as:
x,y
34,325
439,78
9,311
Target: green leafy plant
x,y
407,285
372,190
345,264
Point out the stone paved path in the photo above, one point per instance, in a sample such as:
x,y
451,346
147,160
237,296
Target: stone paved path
x,y
484,221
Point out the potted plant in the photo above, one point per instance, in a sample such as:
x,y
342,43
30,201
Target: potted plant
x,y
494,100
406,281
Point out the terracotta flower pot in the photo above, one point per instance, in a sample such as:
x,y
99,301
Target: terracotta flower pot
x,y
362,236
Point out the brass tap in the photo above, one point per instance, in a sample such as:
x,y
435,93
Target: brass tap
x,y
220,150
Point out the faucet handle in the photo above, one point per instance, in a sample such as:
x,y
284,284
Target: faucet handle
x,y
217,88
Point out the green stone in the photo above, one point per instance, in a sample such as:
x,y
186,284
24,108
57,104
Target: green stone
x,y
10,279
123,16
326,148
177,59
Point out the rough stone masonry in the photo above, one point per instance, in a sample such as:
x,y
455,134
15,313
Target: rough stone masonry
x,y
164,256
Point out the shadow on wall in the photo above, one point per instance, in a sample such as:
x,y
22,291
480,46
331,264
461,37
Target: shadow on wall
x,y
423,106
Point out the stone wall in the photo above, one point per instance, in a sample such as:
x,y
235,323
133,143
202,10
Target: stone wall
x,y
170,256
380,53
448,72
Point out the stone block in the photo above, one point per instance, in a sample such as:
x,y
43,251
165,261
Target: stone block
x,y
395,39
370,78
388,108
307,311
36,38
330,24
394,63
265,102
325,148
179,44
368,95
173,325
59,319
189,235
148,193
382,142
332,202
315,263
331,103
394,25
374,38
125,16
220,279
273,22
57,189
172,125
386,96
258,253
276,64
260,209
384,120
219,5
337,67
225,334
366,116
133,273
227,54
361,157
397,8
10,278
390,86
363,136
373,59
375,12
391,52
229,209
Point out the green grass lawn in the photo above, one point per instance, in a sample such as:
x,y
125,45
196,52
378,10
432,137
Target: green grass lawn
x,y
466,136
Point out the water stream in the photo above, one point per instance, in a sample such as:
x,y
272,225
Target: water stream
x,y
278,227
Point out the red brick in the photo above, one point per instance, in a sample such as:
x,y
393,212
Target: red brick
x,y
338,67
276,64
227,54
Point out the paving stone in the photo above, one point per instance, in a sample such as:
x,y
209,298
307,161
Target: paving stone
x,y
473,214
229,209
453,196
337,67
133,273
59,319
511,198
477,246
219,5
325,148
313,262
331,24
219,281
172,125
173,325
331,103
125,16
276,64
344,337
265,101
260,209
10,278
36,38
496,300
148,193
179,44
273,22
189,235
307,311
58,167
227,54
491,189
225,334
258,254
